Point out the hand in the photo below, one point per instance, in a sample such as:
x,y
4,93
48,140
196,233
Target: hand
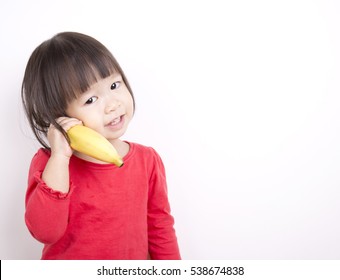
x,y
57,141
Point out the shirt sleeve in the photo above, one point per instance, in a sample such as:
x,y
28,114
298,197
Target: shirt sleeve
x,y
161,233
47,210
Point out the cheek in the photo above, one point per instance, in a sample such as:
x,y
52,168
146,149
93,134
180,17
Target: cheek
x,y
71,113
130,104
88,117
91,119
73,110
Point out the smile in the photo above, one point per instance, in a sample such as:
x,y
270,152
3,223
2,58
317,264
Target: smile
x,y
116,123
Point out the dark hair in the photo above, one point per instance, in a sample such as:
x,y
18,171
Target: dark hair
x,y
59,70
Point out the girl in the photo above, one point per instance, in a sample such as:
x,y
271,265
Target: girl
x,y
79,207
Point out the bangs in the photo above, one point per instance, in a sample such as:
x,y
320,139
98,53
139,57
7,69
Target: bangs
x,y
81,73
78,66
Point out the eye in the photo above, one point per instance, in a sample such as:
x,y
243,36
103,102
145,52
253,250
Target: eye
x,y
115,85
91,100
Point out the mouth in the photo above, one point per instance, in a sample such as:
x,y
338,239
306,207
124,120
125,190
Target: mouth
x,y
116,122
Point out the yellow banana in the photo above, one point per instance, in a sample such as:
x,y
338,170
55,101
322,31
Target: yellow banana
x,y
87,141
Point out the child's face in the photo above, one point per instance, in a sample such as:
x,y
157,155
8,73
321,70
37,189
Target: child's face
x,y
107,107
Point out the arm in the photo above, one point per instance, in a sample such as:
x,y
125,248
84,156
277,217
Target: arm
x,y
161,233
60,157
47,198
47,209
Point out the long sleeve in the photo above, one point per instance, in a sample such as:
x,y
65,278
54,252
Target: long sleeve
x,y
47,210
161,234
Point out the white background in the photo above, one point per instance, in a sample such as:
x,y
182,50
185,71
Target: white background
x,y
240,98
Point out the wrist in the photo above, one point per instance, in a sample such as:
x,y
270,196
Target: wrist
x,y
59,157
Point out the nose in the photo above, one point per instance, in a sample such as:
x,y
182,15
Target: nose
x,y
112,104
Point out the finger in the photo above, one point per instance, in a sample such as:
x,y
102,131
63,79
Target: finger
x,y
51,127
66,123
63,120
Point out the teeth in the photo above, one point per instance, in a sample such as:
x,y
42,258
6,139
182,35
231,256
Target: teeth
x,y
115,121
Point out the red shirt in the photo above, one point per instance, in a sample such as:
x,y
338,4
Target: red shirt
x,y
109,212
